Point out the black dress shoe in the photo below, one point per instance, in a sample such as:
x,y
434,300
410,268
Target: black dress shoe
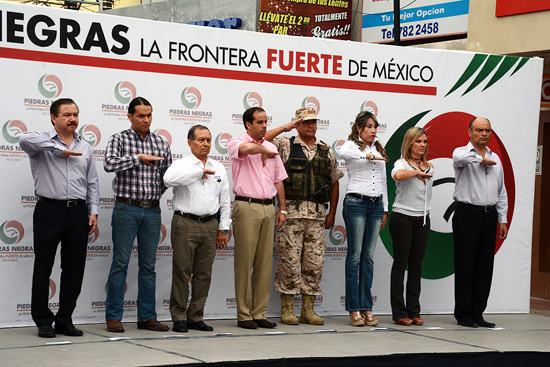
x,y
46,331
68,330
467,323
247,324
199,325
486,324
179,326
265,324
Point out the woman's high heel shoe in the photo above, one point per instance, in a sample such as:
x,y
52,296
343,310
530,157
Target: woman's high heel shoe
x,y
404,322
370,320
356,320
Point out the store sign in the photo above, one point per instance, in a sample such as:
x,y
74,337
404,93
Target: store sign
x,y
512,7
229,23
308,18
419,19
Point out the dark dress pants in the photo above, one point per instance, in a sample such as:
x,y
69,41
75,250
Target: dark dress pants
x,y
409,237
53,224
474,234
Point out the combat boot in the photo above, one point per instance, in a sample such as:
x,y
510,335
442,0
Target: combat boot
x,y
287,310
308,315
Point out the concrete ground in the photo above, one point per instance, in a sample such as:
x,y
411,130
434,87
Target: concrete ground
x,y
440,334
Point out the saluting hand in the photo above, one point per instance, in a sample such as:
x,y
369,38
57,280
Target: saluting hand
x,y
487,162
149,159
68,152
206,171
267,154
292,125
423,176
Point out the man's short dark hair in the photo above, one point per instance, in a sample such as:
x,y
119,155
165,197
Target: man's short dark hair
x,y
248,115
191,133
54,108
472,122
138,101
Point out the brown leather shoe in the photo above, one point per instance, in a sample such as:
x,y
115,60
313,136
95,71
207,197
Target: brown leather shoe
x,y
263,323
152,325
247,324
115,326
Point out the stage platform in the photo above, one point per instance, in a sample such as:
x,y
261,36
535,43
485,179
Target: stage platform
x,y
440,335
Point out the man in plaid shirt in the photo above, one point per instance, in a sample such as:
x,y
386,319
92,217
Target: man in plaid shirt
x,y
139,158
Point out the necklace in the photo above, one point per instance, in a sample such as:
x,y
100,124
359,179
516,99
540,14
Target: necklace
x,y
418,162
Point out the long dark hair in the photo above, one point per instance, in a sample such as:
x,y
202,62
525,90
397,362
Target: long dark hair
x,y
360,123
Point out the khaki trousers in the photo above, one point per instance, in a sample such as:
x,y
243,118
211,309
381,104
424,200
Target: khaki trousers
x,y
194,249
253,228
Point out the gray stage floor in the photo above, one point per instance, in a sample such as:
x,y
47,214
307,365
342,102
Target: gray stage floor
x,y
440,334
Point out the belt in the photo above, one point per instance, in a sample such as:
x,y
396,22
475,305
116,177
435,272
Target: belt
x,y
63,203
374,199
144,204
482,208
253,200
201,218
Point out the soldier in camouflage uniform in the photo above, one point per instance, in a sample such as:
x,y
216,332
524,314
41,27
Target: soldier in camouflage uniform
x,y
312,183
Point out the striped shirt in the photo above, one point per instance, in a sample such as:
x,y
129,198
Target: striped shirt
x,y
134,179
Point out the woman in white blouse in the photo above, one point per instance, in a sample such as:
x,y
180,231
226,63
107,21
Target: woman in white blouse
x,y
365,213
410,224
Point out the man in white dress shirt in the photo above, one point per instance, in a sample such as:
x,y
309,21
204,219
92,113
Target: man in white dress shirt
x,y
200,223
481,200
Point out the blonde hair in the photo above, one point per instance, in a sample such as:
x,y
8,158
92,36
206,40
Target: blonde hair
x,y
360,123
410,137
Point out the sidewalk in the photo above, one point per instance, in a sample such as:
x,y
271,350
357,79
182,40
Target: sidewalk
x,y
440,334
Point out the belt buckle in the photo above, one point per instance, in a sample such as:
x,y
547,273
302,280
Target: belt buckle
x,y
145,204
488,208
71,203
200,219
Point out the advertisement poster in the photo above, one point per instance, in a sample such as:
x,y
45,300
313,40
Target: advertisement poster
x,y
419,19
210,76
307,18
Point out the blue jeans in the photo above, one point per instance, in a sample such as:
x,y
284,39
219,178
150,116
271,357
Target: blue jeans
x,y
363,219
129,222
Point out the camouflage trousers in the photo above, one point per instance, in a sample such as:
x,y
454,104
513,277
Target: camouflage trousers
x,y
301,247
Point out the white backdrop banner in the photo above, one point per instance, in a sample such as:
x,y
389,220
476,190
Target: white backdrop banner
x,y
210,76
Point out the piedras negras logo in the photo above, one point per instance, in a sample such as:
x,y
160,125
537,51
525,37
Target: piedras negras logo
x,y
445,133
336,148
50,86
93,236
311,101
337,239
252,99
125,92
165,134
370,106
90,134
162,234
221,142
11,232
53,289
12,130
191,98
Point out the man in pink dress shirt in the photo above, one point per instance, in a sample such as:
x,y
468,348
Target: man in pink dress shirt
x,y
258,175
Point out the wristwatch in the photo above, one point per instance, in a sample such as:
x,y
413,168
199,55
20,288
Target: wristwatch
x,y
283,212
225,231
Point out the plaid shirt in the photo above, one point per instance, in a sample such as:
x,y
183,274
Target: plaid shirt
x,y
134,179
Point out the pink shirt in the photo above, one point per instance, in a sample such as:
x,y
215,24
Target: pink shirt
x,y
250,177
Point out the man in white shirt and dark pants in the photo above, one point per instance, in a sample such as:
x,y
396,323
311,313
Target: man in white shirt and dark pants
x,y
200,223
481,200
